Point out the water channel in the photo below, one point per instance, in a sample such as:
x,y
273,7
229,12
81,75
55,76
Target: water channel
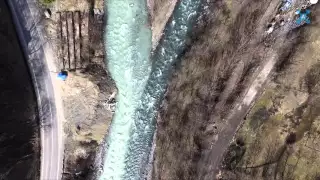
x,y
141,78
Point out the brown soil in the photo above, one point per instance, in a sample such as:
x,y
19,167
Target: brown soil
x,y
76,30
280,134
160,12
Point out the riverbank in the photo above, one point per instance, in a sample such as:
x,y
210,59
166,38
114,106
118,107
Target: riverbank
x,y
88,93
280,135
229,59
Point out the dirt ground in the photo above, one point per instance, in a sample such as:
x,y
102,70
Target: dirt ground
x,y
280,136
76,29
78,5
160,12
226,52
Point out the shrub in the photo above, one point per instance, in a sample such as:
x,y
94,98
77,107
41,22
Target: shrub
x,y
47,2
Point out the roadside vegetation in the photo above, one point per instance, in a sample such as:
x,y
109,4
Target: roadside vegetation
x,y
47,2
19,121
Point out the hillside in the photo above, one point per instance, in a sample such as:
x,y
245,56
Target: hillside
x,y
19,126
230,60
279,138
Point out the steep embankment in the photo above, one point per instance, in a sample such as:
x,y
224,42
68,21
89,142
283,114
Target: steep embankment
x,y
19,135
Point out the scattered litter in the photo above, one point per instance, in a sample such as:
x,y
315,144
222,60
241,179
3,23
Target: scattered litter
x,y
111,103
97,11
270,29
276,21
47,13
286,5
63,75
282,22
313,1
303,16
112,106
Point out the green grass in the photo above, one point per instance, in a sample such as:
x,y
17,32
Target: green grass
x,y
262,143
46,2
265,101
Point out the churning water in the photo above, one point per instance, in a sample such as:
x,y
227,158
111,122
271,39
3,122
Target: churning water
x,y
141,80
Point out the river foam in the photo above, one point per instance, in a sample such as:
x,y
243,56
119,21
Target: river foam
x,y
141,82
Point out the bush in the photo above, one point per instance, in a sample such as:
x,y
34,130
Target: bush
x,y
47,2
233,155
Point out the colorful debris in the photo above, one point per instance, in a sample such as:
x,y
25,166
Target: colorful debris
x,y
286,5
303,17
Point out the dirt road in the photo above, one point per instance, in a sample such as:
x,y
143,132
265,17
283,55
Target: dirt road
x,y
213,157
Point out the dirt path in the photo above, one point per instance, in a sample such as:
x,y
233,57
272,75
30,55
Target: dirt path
x,y
212,157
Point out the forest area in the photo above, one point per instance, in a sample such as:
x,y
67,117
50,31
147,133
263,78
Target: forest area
x,y
209,98
19,126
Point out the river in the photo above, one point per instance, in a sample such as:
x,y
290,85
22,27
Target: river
x,y
141,79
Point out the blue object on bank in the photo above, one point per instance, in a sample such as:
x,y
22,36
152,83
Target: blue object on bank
x,y
303,17
62,75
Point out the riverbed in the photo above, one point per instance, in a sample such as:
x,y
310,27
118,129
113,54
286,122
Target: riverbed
x,y
141,79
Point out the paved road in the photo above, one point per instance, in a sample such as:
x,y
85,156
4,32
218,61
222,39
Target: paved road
x,y
39,56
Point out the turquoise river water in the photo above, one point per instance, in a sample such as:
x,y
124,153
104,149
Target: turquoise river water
x,y
141,79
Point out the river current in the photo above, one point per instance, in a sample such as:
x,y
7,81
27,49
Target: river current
x,y
141,78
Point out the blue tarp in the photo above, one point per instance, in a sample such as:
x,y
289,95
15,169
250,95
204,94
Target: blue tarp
x,y
62,76
303,17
